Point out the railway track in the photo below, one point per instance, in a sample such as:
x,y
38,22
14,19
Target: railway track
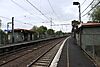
x,y
44,60
13,52
17,54
23,59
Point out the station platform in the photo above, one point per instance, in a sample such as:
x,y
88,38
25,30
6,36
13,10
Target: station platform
x,y
27,42
72,56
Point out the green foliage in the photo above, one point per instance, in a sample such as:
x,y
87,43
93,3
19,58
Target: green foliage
x,y
59,33
95,15
50,32
34,28
3,37
42,30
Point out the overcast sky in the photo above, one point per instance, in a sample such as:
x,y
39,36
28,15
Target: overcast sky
x,y
27,16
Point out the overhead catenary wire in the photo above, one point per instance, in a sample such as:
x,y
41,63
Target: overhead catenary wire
x,y
87,7
83,2
52,9
15,20
5,17
91,9
37,9
24,9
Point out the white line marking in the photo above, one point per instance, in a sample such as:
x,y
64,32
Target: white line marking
x,y
57,57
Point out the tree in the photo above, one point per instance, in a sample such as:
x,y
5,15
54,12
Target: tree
x,y
50,32
43,28
34,28
95,15
39,31
59,33
42,31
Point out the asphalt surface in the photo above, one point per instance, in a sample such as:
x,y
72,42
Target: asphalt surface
x,y
73,56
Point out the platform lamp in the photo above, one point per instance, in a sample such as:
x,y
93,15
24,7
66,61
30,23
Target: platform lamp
x,y
77,3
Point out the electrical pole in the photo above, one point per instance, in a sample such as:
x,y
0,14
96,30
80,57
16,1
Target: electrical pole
x,y
51,23
12,29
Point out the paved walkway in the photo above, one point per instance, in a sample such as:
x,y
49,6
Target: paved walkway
x,y
73,56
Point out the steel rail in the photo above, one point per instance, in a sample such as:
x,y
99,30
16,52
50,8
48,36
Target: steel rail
x,y
42,55
22,55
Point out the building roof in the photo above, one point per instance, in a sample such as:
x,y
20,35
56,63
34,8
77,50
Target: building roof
x,y
90,25
22,30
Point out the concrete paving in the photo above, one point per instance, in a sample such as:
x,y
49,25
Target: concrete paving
x,y
73,56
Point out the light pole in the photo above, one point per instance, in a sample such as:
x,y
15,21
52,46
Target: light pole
x,y
77,3
51,23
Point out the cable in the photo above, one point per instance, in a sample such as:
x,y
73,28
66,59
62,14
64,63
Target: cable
x,y
24,9
5,17
52,9
16,20
37,9
88,6
83,2
91,9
